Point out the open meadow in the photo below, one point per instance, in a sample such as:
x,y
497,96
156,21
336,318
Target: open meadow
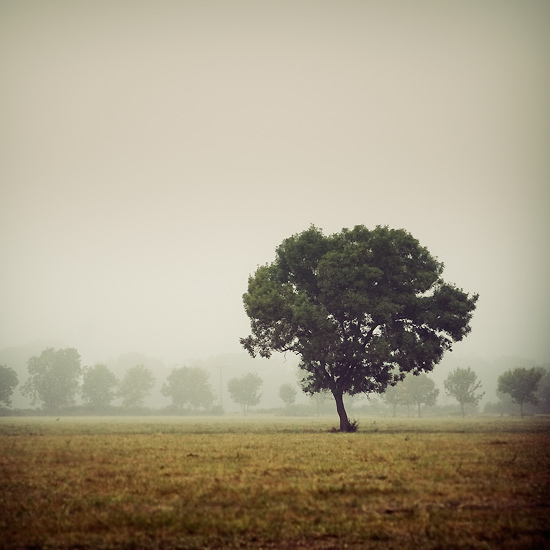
x,y
270,482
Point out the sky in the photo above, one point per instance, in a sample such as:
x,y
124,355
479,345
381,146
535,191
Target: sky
x,y
154,154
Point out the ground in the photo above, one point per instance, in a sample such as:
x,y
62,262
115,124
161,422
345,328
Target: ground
x,y
269,482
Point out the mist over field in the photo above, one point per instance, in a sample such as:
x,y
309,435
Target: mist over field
x,y
154,154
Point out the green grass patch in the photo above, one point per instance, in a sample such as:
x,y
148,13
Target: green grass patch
x,y
274,483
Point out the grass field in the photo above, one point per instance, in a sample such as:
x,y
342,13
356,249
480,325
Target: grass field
x,y
271,482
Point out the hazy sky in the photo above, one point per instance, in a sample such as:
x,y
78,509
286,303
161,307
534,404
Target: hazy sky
x,y
153,154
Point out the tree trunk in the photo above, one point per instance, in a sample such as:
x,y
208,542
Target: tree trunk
x,y
462,408
344,420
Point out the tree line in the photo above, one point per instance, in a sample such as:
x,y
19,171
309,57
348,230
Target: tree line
x,y
56,378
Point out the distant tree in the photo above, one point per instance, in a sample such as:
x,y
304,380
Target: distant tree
x,y
543,392
421,390
462,385
189,386
521,384
361,308
136,386
287,392
8,382
393,397
54,378
245,390
99,386
320,400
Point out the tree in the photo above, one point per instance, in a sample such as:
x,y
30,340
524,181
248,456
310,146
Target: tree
x,y
54,378
543,391
287,392
521,384
361,308
462,385
393,397
189,385
98,386
136,385
245,390
421,390
8,382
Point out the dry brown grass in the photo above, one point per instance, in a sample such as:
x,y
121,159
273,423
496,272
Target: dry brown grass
x,y
274,483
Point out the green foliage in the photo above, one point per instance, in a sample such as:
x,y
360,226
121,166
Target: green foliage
x,y
361,308
287,393
8,382
54,378
189,386
136,385
98,386
245,390
462,385
521,384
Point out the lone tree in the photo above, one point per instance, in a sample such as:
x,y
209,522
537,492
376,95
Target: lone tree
x,y
245,390
98,386
521,384
8,382
54,378
189,385
287,393
361,308
462,385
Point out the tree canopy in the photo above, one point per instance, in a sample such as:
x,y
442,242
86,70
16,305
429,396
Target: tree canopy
x,y
287,393
521,384
137,384
54,378
98,386
420,390
245,390
8,382
361,308
189,386
462,385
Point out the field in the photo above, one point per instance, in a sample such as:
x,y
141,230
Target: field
x,y
270,482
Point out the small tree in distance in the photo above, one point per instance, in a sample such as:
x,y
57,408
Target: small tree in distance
x,y
136,385
287,392
98,386
421,390
189,386
54,378
392,396
521,384
245,390
462,385
8,382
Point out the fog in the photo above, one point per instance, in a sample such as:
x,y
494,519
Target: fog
x,y
153,154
